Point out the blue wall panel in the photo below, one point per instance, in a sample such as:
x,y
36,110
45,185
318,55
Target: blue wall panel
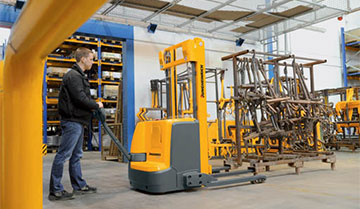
x,y
8,15
107,29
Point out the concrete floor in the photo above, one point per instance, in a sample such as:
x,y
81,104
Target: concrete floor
x,y
316,187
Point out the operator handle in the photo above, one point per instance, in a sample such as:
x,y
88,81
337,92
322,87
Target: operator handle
x,y
100,115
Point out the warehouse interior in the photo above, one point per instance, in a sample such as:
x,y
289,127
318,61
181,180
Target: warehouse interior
x,y
206,104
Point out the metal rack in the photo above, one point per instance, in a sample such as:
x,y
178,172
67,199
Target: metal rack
x,y
98,67
352,44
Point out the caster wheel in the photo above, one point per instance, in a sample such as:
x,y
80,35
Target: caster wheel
x,y
258,181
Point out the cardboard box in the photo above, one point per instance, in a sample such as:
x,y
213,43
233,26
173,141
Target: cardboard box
x,y
106,75
53,92
116,75
110,91
110,112
57,71
93,93
110,55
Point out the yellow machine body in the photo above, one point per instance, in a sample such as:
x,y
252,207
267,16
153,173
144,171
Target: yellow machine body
x,y
346,109
154,139
226,149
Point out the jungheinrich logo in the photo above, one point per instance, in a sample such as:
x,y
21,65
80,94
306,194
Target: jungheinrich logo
x,y
202,81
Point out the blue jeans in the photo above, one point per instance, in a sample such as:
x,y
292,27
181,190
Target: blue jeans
x,y
70,148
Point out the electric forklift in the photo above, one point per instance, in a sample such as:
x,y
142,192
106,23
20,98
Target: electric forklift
x,y
172,154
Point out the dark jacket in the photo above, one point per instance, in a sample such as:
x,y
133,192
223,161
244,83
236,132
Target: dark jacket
x,y
75,103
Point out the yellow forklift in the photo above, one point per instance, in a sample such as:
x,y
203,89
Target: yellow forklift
x,y
172,154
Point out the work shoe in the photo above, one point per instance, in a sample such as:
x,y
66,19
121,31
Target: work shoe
x,y
85,190
63,195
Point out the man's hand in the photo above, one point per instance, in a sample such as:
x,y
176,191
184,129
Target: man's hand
x,y
100,104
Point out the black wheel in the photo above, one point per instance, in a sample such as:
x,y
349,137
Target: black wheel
x,y
258,181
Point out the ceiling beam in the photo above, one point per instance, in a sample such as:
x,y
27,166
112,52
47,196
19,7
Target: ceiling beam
x,y
306,25
267,13
166,7
322,5
144,7
139,23
110,8
250,15
206,13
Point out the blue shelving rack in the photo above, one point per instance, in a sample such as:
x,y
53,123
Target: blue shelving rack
x,y
354,45
51,58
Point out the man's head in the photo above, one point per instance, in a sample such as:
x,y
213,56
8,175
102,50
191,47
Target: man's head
x,y
84,58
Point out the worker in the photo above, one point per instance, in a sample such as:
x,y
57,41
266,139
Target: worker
x,y
75,109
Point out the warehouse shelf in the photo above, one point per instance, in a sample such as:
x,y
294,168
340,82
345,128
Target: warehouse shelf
x,y
110,82
53,122
53,79
111,45
81,42
51,101
111,64
60,79
59,59
108,101
93,81
350,41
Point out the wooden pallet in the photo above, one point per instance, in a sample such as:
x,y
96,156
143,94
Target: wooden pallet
x,y
295,160
351,144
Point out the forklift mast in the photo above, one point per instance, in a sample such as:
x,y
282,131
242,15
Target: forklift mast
x,y
193,53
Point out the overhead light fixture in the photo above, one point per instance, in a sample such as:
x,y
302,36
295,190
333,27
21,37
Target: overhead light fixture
x,y
151,28
19,4
239,41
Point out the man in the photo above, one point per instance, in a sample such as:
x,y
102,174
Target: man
x,y
75,109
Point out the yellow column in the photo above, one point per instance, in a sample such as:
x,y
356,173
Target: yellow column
x,y
1,131
41,27
200,97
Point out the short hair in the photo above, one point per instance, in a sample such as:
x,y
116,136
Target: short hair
x,y
81,52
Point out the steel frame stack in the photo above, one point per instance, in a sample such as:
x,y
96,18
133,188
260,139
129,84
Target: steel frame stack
x,y
286,115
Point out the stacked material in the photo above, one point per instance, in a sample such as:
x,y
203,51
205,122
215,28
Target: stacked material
x,y
278,115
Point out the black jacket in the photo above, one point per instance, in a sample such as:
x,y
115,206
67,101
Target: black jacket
x,y
75,103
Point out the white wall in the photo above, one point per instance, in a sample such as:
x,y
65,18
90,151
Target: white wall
x,y
4,36
327,45
147,67
305,43
318,45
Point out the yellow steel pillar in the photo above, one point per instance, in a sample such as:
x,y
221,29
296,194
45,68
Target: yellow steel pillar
x,y
41,27
198,54
1,130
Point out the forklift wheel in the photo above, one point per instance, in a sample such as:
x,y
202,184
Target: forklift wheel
x,y
258,181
